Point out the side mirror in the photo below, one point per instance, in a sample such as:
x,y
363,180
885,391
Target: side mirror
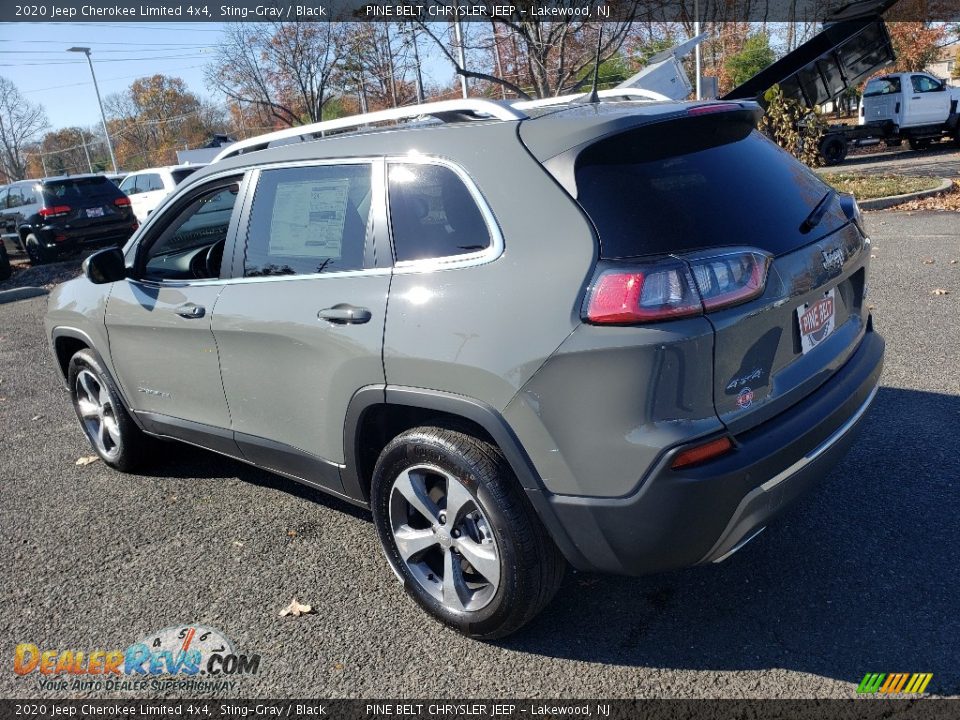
x,y
105,266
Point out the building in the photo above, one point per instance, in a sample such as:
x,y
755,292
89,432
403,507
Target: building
x,y
946,64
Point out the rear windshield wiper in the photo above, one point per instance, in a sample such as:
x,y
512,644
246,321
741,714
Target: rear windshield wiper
x,y
816,215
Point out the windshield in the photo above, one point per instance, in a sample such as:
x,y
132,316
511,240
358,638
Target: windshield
x,y
77,190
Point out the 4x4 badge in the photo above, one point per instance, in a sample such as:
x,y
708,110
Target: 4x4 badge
x,y
832,259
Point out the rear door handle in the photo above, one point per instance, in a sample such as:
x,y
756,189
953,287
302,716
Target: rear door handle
x,y
190,311
345,314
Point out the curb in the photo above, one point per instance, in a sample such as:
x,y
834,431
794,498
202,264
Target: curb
x,y
887,202
22,293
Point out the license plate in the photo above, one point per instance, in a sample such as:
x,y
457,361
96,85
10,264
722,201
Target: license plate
x,y
817,320
95,212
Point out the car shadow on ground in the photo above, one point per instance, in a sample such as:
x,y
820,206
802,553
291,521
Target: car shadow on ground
x,y
190,462
860,576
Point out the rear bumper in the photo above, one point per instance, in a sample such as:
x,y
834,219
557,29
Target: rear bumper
x,y
703,514
76,238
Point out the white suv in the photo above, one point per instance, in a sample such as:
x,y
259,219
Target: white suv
x,y
146,188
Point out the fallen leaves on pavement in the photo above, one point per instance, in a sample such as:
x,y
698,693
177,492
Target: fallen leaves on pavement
x,y
948,200
296,609
940,291
87,459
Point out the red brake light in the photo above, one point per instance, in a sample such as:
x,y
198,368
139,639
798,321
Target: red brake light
x,y
55,211
648,293
702,453
122,202
713,108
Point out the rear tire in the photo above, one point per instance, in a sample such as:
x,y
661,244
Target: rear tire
x,y
35,251
486,569
833,150
104,420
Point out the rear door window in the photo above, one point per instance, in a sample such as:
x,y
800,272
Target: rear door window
x,y
433,214
882,86
308,220
129,185
701,182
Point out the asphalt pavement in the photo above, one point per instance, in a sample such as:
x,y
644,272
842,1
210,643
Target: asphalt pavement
x,y
860,577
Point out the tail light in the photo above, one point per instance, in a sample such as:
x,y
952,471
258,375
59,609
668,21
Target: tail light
x,y
626,294
122,202
731,278
642,293
713,108
55,211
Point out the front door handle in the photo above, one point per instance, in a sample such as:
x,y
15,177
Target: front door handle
x,y
345,314
190,311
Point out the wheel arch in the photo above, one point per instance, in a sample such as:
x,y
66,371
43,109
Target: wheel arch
x,y
367,430
378,413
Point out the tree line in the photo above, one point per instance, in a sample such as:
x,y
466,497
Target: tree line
x,y
281,74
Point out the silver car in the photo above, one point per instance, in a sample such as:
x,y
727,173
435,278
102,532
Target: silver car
x,y
621,335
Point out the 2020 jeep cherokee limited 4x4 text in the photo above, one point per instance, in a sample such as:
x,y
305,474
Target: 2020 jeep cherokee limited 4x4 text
x,y
622,335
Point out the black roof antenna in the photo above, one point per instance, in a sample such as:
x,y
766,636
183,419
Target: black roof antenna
x,y
593,97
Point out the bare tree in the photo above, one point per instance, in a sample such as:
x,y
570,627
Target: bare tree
x,y
541,58
21,122
284,68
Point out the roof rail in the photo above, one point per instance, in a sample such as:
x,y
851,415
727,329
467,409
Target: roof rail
x,y
628,93
443,109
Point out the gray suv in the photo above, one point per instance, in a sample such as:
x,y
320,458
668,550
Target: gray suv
x,y
622,335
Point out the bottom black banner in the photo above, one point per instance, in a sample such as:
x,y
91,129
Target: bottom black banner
x,y
866,708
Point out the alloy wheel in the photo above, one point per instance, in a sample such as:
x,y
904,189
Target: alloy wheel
x,y
98,414
444,538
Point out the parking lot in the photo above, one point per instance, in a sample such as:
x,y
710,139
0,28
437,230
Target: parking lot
x,y
861,577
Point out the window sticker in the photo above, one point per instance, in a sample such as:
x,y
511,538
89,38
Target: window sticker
x,y
308,218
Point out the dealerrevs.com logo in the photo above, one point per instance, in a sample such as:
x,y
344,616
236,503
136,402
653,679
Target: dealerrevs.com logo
x,y
190,657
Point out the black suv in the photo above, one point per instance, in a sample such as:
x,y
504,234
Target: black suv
x,y
53,216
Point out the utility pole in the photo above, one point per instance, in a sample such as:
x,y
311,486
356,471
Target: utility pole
x,y
458,33
103,117
416,62
696,51
496,55
83,141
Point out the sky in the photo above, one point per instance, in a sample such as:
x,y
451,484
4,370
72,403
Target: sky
x,y
34,57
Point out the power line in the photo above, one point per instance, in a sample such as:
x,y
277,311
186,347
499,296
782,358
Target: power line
x,y
100,62
105,80
98,42
60,52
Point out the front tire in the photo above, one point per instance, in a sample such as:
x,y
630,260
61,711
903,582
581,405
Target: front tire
x,y
460,534
105,421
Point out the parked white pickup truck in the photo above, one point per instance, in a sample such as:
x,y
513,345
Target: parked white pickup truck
x,y
914,106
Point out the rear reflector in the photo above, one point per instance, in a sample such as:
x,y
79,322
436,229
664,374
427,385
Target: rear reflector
x,y
702,453
122,202
55,211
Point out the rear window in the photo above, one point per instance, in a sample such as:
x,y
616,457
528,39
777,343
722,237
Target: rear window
x,y
882,86
180,175
699,182
80,189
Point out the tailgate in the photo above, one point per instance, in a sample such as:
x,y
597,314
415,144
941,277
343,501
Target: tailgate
x,y
772,352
